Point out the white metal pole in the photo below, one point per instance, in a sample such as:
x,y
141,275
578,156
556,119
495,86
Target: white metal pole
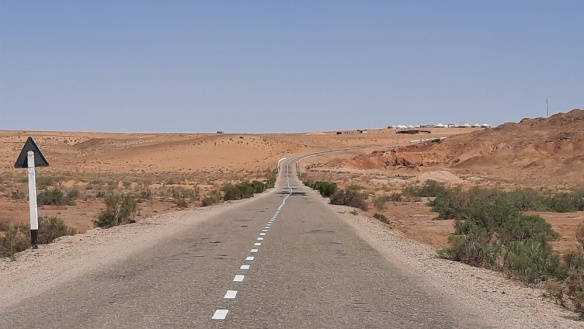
x,y
32,197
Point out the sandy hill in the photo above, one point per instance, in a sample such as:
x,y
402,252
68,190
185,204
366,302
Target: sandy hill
x,y
540,150
81,152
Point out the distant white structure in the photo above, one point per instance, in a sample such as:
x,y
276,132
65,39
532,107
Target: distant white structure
x,y
440,125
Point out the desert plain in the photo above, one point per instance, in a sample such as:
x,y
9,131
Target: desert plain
x,y
177,171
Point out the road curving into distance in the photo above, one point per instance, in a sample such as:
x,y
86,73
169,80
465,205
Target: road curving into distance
x,y
285,260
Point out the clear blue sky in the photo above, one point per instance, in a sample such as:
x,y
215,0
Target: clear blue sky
x,y
285,66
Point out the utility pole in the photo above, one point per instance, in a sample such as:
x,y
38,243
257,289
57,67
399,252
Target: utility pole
x,y
547,107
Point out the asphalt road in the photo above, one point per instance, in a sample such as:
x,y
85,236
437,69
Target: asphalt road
x,y
283,261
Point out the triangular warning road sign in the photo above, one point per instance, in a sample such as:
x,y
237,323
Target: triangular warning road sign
x,y
39,158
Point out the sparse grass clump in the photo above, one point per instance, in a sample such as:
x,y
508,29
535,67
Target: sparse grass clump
x,y
430,188
381,217
56,197
237,191
17,195
270,181
350,198
120,210
244,190
212,198
326,189
380,201
51,228
181,203
17,236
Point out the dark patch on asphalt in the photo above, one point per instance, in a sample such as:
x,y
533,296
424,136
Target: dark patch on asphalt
x,y
294,193
319,231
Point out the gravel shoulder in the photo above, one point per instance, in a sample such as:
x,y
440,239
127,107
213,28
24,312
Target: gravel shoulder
x,y
487,292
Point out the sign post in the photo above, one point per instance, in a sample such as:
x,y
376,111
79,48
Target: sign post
x,y
32,201
31,157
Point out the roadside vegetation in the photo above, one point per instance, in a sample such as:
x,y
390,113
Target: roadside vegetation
x,y
493,231
57,197
16,237
351,196
120,209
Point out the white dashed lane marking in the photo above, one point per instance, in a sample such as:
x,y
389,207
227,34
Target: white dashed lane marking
x,y
220,315
230,294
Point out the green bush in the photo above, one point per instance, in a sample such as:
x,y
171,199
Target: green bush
x,y
354,187
237,191
430,188
566,202
258,187
526,200
381,217
526,227
120,209
270,180
17,195
474,248
209,201
532,261
56,197
146,194
51,228
181,203
44,182
243,190
350,198
326,189
455,203
3,225
380,201
494,234
17,237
